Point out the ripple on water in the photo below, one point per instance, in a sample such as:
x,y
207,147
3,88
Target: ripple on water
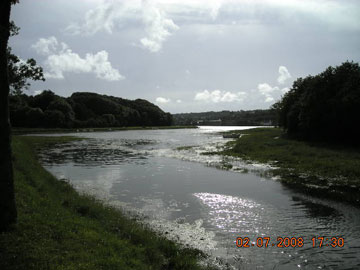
x,y
97,152
233,214
221,217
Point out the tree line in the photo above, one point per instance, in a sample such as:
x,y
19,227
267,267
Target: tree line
x,y
227,118
83,109
324,107
49,110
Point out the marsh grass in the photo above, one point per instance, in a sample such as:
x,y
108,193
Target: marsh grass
x,y
59,229
328,170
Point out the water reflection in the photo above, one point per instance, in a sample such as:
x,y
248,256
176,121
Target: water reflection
x,y
232,214
144,172
316,210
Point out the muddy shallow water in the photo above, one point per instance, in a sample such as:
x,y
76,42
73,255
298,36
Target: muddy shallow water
x,y
189,198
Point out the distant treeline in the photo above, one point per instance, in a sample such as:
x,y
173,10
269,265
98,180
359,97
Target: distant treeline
x,y
227,118
83,109
325,107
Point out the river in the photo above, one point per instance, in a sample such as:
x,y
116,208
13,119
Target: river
x,y
191,198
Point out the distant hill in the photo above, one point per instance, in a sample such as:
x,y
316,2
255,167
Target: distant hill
x,y
227,118
84,109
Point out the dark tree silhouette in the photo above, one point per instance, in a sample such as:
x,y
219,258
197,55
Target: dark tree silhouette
x,y
19,71
324,107
83,110
8,213
228,118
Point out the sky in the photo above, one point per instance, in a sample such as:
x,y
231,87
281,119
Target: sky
x,y
185,55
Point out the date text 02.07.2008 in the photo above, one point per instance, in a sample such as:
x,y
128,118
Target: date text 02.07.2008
x,y
281,242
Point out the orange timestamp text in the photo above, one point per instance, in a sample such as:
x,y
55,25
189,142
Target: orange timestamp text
x,y
284,242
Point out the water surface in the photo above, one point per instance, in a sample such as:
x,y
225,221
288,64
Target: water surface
x,y
189,198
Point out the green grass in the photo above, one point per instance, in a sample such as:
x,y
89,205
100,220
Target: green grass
x,y
18,131
59,229
325,170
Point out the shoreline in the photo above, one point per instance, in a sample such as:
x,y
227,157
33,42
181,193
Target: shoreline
x,y
61,228
318,169
21,131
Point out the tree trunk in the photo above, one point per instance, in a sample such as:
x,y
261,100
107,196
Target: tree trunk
x,y
7,197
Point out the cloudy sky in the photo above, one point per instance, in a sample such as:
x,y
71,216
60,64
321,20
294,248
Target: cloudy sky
x,y
185,55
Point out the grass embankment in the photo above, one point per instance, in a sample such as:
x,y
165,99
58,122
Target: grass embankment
x,y
59,229
317,168
18,131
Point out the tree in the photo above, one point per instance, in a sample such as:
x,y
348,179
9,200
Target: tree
x,y
35,117
21,71
83,110
43,100
54,118
325,106
8,212
60,104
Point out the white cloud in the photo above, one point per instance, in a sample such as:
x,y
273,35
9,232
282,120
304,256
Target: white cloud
x,y
106,16
333,13
274,93
271,93
266,89
102,67
215,5
269,99
60,59
157,17
162,100
114,14
157,26
217,96
284,75
178,101
46,46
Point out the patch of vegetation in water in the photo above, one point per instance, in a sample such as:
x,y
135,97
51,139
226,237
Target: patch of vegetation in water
x,y
183,148
58,228
210,153
318,168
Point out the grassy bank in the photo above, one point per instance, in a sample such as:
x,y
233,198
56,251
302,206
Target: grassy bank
x,y
59,229
320,169
19,131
